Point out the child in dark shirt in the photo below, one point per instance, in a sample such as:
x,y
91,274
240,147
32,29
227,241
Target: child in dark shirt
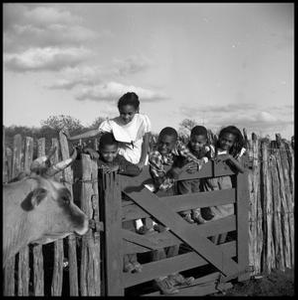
x,y
109,161
164,171
202,150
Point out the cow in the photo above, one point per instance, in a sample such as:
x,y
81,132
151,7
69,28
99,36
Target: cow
x,y
38,209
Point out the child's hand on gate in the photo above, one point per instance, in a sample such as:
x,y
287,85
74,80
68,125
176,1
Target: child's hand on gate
x,y
222,158
93,154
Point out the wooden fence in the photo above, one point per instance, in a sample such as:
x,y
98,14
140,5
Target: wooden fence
x,y
271,221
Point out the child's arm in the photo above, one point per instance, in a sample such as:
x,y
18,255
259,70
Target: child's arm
x,y
145,146
93,153
230,158
128,168
88,134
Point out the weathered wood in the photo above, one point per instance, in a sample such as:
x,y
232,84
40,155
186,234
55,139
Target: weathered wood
x,y
9,282
277,230
242,205
174,264
38,263
113,238
72,253
204,247
57,278
268,254
4,157
17,155
182,202
23,270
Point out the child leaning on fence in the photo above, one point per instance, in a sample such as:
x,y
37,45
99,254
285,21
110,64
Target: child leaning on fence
x,y
164,169
109,160
198,145
229,149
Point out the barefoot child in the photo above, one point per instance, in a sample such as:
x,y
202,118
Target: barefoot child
x,y
229,148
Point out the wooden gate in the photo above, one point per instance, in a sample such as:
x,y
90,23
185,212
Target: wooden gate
x,y
228,260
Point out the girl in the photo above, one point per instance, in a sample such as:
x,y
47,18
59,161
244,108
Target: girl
x,y
229,148
131,129
132,132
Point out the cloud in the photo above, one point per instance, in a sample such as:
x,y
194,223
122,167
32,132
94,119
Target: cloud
x,y
247,116
50,58
36,36
113,90
131,65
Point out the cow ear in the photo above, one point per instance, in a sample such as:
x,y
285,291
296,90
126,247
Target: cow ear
x,y
33,199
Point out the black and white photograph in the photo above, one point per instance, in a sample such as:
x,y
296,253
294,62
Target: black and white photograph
x,y
148,149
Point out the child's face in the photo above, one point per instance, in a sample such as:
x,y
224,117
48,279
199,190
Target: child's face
x,y
226,141
127,113
166,143
197,142
108,153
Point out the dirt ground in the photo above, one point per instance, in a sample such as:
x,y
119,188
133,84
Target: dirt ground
x,y
277,283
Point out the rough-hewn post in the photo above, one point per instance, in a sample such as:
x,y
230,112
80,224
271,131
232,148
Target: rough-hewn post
x,y
38,266
23,273
57,279
72,251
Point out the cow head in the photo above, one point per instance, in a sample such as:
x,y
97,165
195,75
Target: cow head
x,y
38,209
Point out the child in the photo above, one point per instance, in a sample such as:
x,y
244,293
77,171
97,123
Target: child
x,y
131,129
164,169
200,149
110,161
229,148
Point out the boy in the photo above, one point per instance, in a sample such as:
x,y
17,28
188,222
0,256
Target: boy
x,y
164,169
110,160
199,147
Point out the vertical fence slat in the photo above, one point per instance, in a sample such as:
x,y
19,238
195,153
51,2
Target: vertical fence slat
x,y
57,279
72,252
38,265
113,237
268,253
9,286
242,206
23,272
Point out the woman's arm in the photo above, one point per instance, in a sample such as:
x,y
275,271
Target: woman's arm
x,y
144,153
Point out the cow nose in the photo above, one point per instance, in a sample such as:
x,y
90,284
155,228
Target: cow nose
x,y
84,228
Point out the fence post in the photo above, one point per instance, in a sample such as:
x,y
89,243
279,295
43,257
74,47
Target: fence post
x,y
23,272
57,279
38,265
72,251
242,206
113,236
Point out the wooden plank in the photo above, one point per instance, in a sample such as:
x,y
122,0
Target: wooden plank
x,y
135,243
174,264
4,157
72,252
113,238
9,282
277,228
183,202
38,263
242,205
57,278
17,155
204,247
23,270
268,253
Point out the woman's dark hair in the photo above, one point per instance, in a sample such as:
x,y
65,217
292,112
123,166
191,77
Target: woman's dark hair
x,y
199,130
129,98
168,131
239,141
107,138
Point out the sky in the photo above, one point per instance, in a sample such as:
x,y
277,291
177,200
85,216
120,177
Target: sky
x,y
217,64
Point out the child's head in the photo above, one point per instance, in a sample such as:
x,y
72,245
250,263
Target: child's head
x,y
128,106
230,138
108,147
198,138
167,139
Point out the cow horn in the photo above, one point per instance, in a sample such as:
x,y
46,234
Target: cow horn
x,y
62,165
42,162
